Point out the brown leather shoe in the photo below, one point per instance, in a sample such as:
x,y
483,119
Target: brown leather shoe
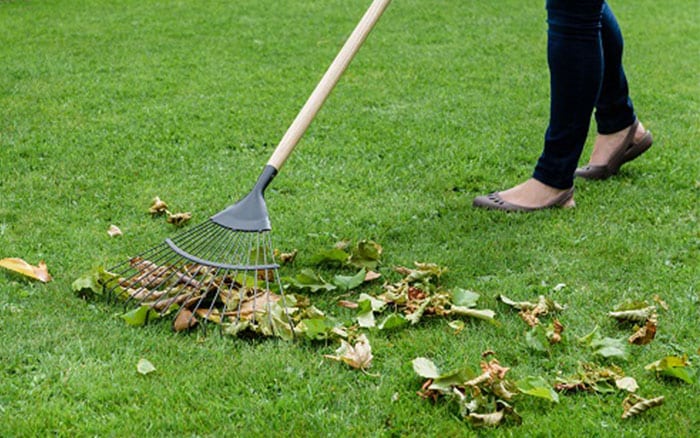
x,y
493,201
628,150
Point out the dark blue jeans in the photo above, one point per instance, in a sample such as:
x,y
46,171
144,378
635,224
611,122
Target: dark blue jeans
x,y
584,53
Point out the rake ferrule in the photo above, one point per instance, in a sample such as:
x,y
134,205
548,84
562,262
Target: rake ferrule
x,y
250,213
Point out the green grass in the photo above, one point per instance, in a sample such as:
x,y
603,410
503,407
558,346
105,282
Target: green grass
x,y
104,105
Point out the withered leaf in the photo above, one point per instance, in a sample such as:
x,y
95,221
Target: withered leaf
x,y
645,334
634,405
39,272
157,206
285,257
114,231
627,383
185,320
144,367
358,356
178,219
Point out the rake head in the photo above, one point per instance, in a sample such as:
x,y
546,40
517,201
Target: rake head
x,y
222,270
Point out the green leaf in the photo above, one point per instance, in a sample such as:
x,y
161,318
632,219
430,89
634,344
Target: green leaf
x,y
392,321
346,283
610,348
464,298
536,339
331,257
316,328
537,387
144,367
673,366
309,280
140,315
94,283
587,340
425,368
366,254
366,319
376,304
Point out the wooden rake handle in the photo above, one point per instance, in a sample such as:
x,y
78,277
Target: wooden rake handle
x,y
325,86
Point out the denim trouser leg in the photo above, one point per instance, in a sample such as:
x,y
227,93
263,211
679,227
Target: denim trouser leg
x,y
583,35
614,110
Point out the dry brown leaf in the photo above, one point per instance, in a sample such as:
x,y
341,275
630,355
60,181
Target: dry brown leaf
x,y
348,304
645,334
285,257
114,231
178,219
635,405
555,338
257,303
371,275
358,356
185,320
158,206
40,272
494,368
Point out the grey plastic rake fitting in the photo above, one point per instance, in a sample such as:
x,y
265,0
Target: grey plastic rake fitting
x,y
250,213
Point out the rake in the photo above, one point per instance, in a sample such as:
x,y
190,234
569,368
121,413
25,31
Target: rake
x,y
224,270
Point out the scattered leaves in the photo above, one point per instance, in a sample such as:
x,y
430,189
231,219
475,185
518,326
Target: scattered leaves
x,y
19,266
530,311
483,400
159,207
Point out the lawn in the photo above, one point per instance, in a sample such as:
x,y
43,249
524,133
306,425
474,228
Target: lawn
x,y
105,105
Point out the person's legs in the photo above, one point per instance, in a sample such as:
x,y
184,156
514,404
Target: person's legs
x,y
614,110
575,58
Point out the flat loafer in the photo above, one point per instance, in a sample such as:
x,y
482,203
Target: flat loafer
x,y
493,201
627,151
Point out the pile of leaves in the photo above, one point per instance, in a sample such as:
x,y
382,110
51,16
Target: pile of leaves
x,y
416,295
483,399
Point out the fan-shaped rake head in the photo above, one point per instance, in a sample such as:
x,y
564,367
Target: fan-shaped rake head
x,y
208,273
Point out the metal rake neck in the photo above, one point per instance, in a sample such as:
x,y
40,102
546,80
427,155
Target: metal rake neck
x,y
250,213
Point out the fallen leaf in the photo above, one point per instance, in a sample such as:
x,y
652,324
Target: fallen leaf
x,y
178,219
40,272
425,368
372,275
627,383
645,334
673,366
636,315
158,206
489,420
358,356
537,387
114,231
285,257
185,320
145,367
635,405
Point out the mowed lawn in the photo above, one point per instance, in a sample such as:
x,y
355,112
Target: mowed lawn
x,y
105,105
